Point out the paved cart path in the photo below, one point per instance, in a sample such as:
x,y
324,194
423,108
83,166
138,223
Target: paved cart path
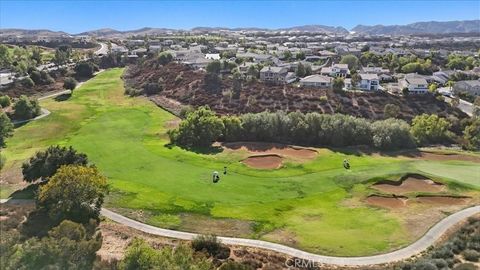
x,y
420,245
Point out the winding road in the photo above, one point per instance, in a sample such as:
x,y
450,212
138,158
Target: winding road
x,y
433,235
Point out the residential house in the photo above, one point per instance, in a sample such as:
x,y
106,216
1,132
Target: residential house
x,y
337,70
274,75
414,84
316,81
198,62
471,87
369,82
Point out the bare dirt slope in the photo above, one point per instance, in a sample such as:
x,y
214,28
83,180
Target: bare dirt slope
x,y
187,86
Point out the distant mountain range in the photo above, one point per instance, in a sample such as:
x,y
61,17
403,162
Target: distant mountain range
x,y
469,26
472,26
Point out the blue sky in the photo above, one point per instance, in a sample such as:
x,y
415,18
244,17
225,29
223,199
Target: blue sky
x,y
78,16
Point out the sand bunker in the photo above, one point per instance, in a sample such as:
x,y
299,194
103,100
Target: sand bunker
x,y
409,183
442,200
386,202
260,148
264,161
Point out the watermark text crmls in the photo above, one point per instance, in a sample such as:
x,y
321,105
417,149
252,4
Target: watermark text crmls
x,y
302,263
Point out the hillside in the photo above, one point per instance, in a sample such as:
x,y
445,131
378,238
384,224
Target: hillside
x,y
31,33
432,27
258,97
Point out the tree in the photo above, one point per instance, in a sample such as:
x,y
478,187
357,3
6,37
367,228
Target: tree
x,y
84,69
69,83
5,57
338,84
45,164
200,128
26,108
237,84
300,71
233,128
432,88
5,101
253,72
471,135
430,129
6,128
356,79
28,82
61,57
391,111
351,60
81,191
392,134
37,55
300,56
287,55
214,67
68,246
164,58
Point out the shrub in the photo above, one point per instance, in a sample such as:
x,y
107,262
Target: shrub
x,y
152,88
28,82
36,77
465,266
424,265
443,253
46,78
69,83
179,78
141,256
185,110
5,101
471,255
232,265
26,108
211,245
391,111
6,128
323,99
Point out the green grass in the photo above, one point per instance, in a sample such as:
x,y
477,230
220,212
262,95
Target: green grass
x,y
125,137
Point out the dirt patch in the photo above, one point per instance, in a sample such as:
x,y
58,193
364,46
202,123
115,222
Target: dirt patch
x,y
116,238
443,200
261,148
264,161
191,87
387,202
282,236
221,226
172,124
409,183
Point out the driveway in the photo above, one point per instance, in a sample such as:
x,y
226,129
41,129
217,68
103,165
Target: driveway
x,y
432,236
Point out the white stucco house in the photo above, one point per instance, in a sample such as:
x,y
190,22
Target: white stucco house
x,y
316,81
